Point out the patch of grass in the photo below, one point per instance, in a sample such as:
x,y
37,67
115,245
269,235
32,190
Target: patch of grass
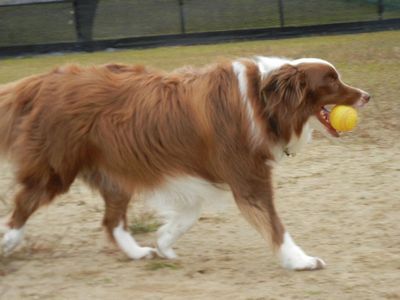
x,y
213,219
144,223
84,274
158,265
359,49
313,292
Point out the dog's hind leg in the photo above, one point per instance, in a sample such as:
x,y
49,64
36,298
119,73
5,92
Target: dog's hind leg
x,y
179,201
180,219
115,220
116,224
33,194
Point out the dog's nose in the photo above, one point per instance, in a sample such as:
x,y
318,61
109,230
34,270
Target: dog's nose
x,y
366,97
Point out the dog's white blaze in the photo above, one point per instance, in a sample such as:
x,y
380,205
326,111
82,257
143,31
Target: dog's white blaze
x,y
240,71
311,60
293,257
179,201
12,238
128,244
267,64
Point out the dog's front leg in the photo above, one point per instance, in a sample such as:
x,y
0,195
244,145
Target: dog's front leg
x,y
254,197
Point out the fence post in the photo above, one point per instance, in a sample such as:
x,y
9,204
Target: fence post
x,y
281,13
182,16
84,11
381,8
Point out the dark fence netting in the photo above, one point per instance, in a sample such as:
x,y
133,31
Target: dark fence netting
x,y
314,12
219,15
37,24
131,18
41,22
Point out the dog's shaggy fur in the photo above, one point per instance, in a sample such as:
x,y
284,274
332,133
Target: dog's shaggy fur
x,y
128,129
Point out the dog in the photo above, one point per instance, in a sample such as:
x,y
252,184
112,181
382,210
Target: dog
x,y
129,129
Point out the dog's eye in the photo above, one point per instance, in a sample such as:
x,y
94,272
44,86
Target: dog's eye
x,y
333,77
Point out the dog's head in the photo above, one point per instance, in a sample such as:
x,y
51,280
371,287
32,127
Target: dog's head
x,y
295,92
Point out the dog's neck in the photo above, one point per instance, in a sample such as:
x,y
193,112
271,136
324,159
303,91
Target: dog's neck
x,y
295,145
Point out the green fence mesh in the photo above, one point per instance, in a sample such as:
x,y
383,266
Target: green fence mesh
x,y
70,21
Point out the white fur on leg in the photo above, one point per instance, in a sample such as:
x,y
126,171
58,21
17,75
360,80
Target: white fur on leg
x,y
293,258
175,227
164,248
179,202
12,238
127,243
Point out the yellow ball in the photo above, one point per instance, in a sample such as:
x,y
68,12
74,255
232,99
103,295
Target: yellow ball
x,y
343,118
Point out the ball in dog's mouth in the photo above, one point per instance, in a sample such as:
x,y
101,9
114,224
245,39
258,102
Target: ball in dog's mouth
x,y
343,118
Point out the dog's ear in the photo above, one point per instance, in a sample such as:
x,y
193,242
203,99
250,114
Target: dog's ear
x,y
283,89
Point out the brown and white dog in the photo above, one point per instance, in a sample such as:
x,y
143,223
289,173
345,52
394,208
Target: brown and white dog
x,y
128,130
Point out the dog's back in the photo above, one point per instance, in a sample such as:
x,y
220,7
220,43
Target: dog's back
x,y
133,123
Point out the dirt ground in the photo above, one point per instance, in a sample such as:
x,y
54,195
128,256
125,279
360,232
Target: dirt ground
x,y
340,201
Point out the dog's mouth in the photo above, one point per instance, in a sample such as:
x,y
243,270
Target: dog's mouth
x,y
323,117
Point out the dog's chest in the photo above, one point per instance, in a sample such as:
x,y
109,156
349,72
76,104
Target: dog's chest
x,y
295,145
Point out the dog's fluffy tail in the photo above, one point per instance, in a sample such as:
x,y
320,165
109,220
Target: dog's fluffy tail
x,y
16,102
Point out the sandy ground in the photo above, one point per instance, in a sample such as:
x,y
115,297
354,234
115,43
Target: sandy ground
x,y
339,201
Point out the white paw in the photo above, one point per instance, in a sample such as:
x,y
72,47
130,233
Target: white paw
x,y
167,253
12,238
128,244
306,263
142,252
293,258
